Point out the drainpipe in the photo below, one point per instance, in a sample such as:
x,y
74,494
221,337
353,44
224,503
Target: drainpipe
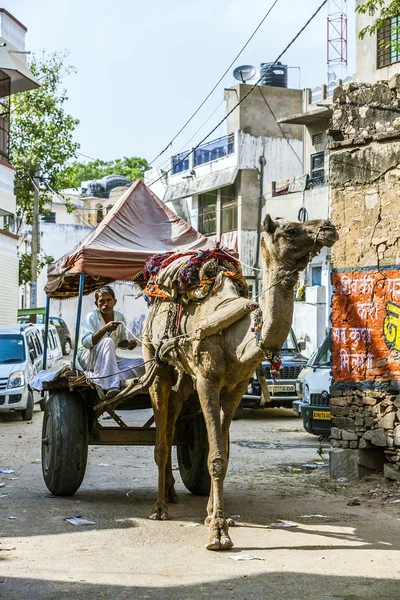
x,y
260,199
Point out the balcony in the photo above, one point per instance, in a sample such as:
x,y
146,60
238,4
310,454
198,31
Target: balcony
x,y
204,154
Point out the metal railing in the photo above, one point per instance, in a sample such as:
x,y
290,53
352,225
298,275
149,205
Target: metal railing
x,y
219,148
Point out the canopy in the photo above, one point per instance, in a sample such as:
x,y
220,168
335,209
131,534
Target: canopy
x,y
137,226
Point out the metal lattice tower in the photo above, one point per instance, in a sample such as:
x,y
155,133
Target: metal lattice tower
x,y
337,40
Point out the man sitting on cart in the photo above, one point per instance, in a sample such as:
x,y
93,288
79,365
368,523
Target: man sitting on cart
x,y
103,331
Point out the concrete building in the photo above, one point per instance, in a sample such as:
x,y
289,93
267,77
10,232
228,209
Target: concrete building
x,y
217,188
14,77
308,197
375,61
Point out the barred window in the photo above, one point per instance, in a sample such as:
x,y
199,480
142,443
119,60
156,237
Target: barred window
x,y
388,34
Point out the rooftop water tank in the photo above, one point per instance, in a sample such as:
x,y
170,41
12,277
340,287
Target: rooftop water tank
x,y
276,76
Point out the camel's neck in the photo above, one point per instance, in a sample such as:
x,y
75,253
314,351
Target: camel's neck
x,y
277,303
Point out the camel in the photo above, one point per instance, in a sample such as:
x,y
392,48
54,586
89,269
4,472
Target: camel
x,y
220,366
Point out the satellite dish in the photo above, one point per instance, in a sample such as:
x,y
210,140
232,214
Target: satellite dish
x,y
244,73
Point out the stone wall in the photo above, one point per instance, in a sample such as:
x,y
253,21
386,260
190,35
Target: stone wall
x,y
365,183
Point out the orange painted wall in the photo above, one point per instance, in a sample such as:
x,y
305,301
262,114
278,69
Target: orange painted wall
x,y
366,326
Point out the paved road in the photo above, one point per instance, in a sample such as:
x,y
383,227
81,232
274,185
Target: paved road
x,y
333,551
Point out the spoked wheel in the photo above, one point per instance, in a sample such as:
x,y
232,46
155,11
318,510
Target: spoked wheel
x,y
192,458
64,442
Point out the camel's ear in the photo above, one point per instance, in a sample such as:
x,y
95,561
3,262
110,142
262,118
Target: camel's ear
x,y
269,225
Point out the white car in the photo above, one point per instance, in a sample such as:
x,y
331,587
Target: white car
x,y
21,356
54,350
313,388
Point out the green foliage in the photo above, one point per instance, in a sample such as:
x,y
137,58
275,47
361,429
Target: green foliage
x,y
133,168
25,266
41,133
383,11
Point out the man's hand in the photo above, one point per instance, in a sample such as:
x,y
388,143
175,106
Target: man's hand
x,y
127,344
111,326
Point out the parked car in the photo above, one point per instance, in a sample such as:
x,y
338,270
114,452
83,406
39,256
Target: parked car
x,y
313,387
59,324
63,332
21,355
54,351
283,393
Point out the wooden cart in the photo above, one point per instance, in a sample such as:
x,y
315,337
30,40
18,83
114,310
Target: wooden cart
x,y
72,413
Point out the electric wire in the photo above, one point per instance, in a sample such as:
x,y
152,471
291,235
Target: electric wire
x,y
217,84
249,91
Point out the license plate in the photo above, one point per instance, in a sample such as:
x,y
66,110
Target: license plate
x,y
275,389
322,415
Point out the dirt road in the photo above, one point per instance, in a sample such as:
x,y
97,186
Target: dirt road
x,y
331,551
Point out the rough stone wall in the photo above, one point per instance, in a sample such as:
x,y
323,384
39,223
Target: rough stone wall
x,y
365,183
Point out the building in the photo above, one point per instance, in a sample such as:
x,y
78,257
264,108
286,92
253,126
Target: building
x,y
305,198
217,188
14,77
365,191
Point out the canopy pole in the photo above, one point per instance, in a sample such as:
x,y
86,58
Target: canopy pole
x,y
46,332
78,316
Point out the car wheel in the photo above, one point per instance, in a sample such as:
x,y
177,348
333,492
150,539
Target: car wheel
x,y
67,347
27,413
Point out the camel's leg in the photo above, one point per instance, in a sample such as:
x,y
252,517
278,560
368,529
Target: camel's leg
x,y
208,391
229,403
159,393
176,400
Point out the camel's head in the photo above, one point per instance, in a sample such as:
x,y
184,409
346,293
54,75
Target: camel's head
x,y
291,245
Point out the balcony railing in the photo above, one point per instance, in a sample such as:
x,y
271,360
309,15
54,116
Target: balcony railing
x,y
213,150
205,153
180,162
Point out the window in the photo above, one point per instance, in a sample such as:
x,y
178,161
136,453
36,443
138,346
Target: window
x,y
317,139
317,166
208,213
316,275
11,349
229,208
32,349
388,54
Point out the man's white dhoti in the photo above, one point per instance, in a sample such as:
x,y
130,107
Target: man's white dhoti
x,y
104,368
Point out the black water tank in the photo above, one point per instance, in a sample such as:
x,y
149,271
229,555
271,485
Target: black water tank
x,y
277,75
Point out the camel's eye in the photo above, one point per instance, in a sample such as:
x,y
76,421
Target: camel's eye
x,y
290,230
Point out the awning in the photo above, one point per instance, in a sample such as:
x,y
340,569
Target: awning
x,y
198,185
138,226
305,118
21,77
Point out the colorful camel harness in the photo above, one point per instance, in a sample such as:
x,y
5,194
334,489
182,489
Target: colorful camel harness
x,y
200,275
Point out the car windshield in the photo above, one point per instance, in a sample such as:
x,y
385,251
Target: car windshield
x,y
290,343
12,349
323,356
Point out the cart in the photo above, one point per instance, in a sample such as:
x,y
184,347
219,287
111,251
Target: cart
x,y
73,409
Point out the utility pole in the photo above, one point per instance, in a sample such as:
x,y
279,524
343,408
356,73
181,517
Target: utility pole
x,y
35,240
260,200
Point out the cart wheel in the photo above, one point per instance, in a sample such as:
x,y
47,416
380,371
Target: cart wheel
x,y
64,442
192,458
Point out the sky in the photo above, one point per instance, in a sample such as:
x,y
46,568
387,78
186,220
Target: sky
x,y
144,67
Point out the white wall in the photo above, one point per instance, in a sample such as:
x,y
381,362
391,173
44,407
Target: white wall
x,y
9,279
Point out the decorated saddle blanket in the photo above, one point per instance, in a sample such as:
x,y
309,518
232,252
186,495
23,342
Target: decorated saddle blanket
x,y
190,275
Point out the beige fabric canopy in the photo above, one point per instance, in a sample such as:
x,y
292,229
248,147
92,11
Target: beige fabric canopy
x,y
137,226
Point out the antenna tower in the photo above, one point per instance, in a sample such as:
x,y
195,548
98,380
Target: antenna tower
x,y
337,40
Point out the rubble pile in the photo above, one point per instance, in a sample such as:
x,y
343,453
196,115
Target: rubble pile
x,y
368,420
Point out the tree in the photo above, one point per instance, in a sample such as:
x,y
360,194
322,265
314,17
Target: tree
x,y
41,134
133,168
384,11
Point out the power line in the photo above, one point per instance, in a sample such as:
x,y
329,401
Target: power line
x,y
217,84
247,93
